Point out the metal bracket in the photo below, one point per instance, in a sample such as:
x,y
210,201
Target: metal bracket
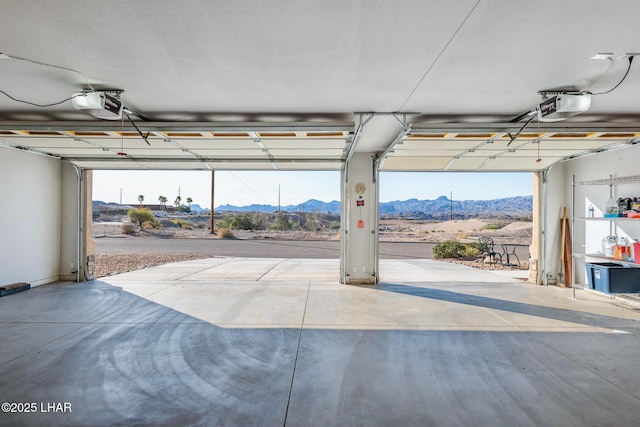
x,y
115,93
545,94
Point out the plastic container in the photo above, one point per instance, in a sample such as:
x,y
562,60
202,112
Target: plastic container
x,y
589,268
610,209
613,278
608,245
622,250
636,251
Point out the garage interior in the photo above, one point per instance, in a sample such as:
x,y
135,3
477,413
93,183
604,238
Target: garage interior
x,y
358,88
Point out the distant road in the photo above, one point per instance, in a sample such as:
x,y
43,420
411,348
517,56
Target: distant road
x,y
252,248
260,248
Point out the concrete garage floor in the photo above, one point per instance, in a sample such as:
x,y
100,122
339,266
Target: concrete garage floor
x,y
273,342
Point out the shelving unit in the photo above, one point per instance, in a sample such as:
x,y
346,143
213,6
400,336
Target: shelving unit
x,y
611,182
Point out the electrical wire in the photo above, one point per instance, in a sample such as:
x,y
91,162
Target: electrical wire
x,y
40,105
245,184
437,58
44,64
619,83
611,62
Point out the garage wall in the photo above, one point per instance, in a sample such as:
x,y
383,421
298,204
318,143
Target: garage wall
x,y
588,234
30,217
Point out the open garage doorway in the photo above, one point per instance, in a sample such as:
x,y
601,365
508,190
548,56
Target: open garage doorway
x,y
483,220
256,215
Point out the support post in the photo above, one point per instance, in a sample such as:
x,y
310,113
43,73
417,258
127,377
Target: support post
x,y
536,235
77,260
89,248
359,221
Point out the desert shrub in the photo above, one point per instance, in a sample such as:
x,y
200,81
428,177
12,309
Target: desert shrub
x,y
448,249
148,225
259,221
186,225
477,245
334,226
471,251
140,215
282,222
491,227
225,233
128,228
241,221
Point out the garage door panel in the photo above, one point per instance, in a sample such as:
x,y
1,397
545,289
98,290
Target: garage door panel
x,y
415,163
305,144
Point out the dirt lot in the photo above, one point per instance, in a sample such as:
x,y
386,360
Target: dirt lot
x,y
501,231
469,230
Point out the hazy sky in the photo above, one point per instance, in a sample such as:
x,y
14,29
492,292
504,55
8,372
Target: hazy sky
x,y
245,188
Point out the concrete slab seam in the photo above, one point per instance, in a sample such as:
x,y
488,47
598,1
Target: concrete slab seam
x,y
207,268
269,271
48,342
295,362
592,371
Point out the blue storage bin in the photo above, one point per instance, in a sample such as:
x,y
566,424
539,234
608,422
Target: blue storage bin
x,y
589,271
611,277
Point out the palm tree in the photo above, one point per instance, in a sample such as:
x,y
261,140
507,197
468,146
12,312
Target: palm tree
x,y
140,199
177,202
163,200
189,201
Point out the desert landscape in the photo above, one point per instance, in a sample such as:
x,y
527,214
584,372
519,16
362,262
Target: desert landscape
x,y
390,230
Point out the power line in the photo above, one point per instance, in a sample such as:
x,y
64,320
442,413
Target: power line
x,y
246,185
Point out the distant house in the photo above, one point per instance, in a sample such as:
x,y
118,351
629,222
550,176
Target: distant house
x,y
108,211
197,209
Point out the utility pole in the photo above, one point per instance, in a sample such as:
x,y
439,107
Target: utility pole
x,y
451,205
213,223
278,197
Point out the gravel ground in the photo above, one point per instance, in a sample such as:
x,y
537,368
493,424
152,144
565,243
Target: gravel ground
x,y
106,265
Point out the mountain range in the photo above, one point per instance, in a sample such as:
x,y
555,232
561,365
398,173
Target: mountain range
x,y
440,208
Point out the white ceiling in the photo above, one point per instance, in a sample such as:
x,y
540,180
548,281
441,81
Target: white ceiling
x,y
207,73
